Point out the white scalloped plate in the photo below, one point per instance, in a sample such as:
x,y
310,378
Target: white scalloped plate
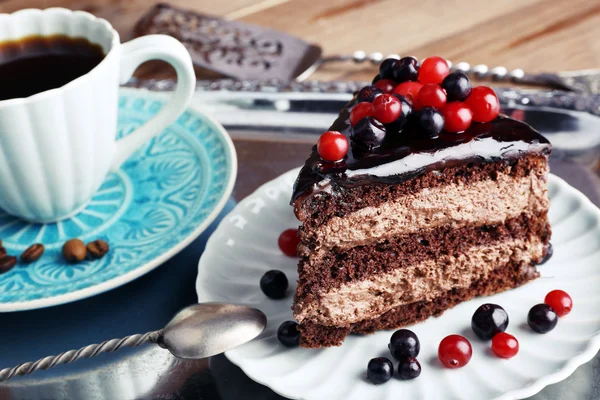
x,y
245,246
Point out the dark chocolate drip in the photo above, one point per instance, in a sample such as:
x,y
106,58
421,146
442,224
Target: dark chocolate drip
x,y
498,136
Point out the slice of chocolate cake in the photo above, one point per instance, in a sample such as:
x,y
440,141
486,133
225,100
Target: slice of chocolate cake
x,y
407,213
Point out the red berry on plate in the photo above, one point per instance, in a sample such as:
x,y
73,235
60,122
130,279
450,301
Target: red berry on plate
x,y
505,345
431,95
457,117
454,351
386,108
484,104
288,242
385,85
410,90
332,146
360,111
560,301
433,70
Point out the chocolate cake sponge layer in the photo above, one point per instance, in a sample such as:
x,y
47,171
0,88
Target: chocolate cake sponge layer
x,y
314,335
316,209
337,268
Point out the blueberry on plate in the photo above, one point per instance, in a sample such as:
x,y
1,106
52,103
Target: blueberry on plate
x,y
274,284
409,368
542,318
488,320
380,370
288,334
403,344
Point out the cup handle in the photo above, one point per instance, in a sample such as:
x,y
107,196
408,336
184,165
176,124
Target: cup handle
x,y
134,53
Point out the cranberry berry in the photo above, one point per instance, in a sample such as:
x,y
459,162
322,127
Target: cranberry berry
x,y
288,242
409,368
457,117
274,284
405,112
368,133
455,351
410,90
433,70
385,85
404,343
288,334
386,68
431,95
542,318
489,320
380,370
429,120
406,69
386,108
560,301
332,146
360,111
505,345
457,86
368,93
484,104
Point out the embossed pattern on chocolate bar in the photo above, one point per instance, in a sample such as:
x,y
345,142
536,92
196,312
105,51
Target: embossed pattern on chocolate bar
x,y
232,48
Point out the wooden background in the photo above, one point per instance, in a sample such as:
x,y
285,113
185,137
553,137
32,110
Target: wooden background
x,y
536,35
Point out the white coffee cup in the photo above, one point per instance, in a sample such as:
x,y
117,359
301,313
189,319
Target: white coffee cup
x,y
57,146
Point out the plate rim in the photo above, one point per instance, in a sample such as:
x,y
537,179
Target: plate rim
x,y
590,351
156,262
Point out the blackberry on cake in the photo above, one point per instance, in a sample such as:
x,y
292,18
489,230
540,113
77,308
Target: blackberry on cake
x,y
402,221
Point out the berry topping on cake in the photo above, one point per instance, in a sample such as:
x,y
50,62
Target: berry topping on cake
x,y
404,343
430,121
386,85
457,86
505,345
405,113
380,370
409,368
433,70
406,69
457,117
542,318
489,320
332,146
288,334
368,93
484,104
431,95
368,133
455,351
386,68
386,108
361,110
410,90
560,301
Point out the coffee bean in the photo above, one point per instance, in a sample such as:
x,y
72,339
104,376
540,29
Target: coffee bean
x,y
33,253
7,263
97,248
74,250
2,251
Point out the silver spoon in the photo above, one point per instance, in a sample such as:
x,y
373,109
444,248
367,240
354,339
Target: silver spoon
x,y
197,331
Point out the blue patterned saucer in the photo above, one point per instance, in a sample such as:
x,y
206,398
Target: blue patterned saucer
x,y
160,200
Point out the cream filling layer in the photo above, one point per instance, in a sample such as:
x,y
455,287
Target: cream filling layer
x,y
455,205
424,281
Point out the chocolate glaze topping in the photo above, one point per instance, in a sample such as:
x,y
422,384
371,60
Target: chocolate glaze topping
x,y
407,154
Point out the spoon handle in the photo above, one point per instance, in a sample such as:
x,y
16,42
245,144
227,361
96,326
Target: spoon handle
x,y
91,350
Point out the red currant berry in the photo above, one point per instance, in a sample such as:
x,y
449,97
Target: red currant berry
x,y
433,70
431,95
360,111
457,117
288,242
484,104
560,301
385,85
386,108
505,345
410,90
332,146
454,351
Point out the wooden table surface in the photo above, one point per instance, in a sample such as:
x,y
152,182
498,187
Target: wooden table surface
x,y
536,35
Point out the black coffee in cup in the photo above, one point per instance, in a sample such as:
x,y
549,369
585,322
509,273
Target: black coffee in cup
x,y
38,63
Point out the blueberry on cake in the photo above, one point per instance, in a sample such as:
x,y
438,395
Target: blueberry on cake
x,y
420,196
